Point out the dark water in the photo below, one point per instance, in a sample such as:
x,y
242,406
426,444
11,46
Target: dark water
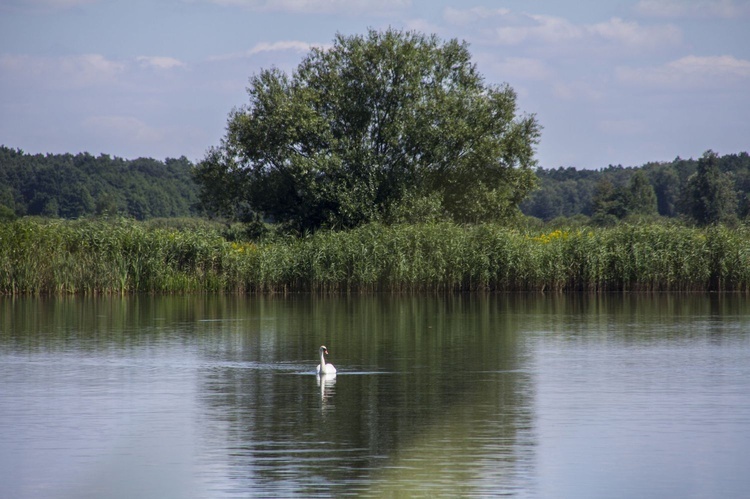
x,y
525,396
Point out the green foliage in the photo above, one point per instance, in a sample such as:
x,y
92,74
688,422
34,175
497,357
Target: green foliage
x,y
611,204
710,195
109,256
6,214
641,195
124,256
615,193
384,127
68,186
667,188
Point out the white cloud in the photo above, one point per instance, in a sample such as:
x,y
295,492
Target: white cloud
x,y
422,26
463,17
504,27
127,128
76,71
631,34
158,62
556,30
264,47
539,28
693,8
281,46
690,72
320,6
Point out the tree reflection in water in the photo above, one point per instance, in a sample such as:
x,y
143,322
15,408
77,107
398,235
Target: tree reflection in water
x,y
432,395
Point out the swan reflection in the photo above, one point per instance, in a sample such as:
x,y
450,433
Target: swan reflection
x,y
327,385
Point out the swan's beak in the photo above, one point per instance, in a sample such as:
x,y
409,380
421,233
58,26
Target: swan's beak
x,y
325,351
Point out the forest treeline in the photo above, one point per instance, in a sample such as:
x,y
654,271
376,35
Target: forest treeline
x,y
73,186
711,189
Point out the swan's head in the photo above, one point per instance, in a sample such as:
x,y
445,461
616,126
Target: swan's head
x,y
323,350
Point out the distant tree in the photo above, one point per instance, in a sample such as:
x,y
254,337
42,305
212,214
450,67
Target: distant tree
x,y
710,193
7,199
376,127
742,186
613,203
609,203
50,209
138,207
641,195
738,165
545,203
563,198
6,214
667,191
106,205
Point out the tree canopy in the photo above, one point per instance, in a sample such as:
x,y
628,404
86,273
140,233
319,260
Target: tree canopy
x,y
387,126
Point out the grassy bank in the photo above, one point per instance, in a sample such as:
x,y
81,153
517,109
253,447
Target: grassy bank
x,y
94,257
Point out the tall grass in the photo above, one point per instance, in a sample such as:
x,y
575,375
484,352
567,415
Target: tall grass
x,y
95,257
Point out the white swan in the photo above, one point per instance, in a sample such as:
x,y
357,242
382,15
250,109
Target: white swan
x,y
324,368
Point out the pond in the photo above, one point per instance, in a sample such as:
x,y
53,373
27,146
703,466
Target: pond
x,y
215,396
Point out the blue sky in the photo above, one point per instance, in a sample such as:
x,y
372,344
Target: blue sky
x,y
611,81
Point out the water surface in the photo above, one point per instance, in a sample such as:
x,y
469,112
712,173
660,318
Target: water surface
x,y
469,395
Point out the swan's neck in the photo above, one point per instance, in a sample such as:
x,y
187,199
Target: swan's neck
x,y
322,361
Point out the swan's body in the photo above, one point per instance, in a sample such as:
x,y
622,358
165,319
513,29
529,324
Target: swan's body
x,y
324,368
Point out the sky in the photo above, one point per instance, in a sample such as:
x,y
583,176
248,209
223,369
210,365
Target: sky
x,y
610,81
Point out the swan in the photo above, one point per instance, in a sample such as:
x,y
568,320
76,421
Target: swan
x,y
324,368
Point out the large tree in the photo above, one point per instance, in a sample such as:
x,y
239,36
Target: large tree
x,y
388,126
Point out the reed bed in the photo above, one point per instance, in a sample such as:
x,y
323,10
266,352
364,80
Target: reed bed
x,y
123,256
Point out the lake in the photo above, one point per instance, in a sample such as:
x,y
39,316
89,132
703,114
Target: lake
x,y
213,396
